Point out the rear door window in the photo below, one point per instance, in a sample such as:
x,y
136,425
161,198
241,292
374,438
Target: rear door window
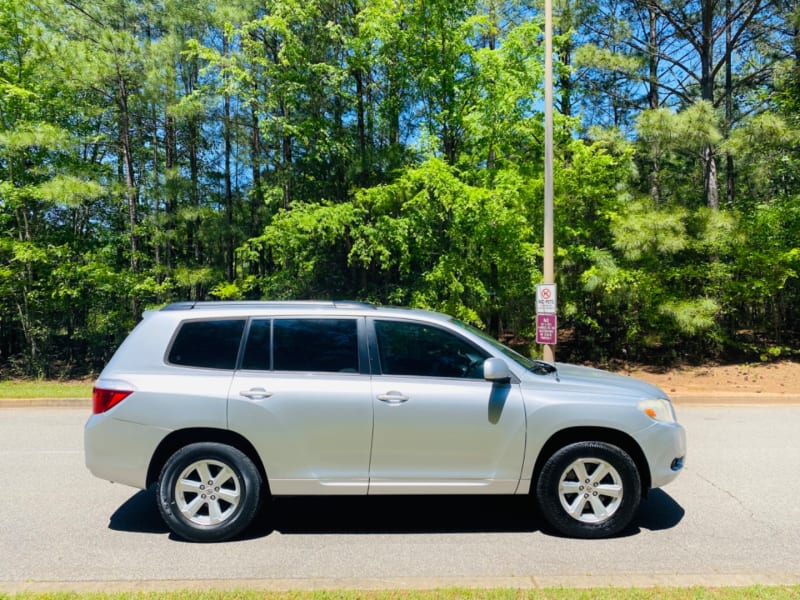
x,y
321,345
315,345
207,344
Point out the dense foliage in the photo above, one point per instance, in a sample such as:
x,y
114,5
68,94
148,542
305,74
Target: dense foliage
x,y
388,150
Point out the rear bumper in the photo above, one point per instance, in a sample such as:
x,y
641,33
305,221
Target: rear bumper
x,y
120,451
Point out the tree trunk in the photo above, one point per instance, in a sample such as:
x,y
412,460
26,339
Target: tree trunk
x,y
707,93
193,248
652,92
655,179
711,184
729,175
257,195
157,191
361,131
171,149
565,58
226,135
127,161
286,157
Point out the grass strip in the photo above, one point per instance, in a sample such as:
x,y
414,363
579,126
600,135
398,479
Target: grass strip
x,y
23,389
656,593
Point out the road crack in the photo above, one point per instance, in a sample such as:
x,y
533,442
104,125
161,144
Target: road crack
x,y
746,509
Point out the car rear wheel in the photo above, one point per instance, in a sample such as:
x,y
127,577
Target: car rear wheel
x,y
589,490
209,492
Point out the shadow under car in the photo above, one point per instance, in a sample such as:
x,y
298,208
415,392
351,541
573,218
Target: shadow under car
x,y
326,515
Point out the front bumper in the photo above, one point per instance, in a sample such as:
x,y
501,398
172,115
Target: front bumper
x,y
664,446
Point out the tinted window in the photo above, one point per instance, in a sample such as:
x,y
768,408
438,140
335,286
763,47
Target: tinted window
x,y
419,349
257,351
209,344
315,345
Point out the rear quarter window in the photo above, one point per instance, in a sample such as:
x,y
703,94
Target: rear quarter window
x,y
207,344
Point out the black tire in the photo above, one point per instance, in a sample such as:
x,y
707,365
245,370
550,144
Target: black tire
x,y
208,492
589,490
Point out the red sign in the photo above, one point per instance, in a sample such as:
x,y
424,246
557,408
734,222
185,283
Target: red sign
x,y
546,329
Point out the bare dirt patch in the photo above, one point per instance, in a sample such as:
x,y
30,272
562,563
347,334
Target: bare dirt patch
x,y
769,379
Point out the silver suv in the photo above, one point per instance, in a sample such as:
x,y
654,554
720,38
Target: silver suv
x,y
222,403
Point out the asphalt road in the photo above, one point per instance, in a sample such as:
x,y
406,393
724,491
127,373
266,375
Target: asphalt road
x,y
733,517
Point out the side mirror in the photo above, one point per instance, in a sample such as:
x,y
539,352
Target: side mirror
x,y
496,369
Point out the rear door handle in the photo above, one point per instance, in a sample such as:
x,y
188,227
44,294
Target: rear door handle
x,y
255,393
393,397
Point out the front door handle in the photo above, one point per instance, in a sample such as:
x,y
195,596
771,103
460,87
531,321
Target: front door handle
x,y
393,397
255,393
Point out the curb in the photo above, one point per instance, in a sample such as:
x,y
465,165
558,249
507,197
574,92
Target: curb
x,y
45,403
514,582
733,399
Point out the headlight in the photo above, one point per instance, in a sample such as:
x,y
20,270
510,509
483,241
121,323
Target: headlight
x,y
658,409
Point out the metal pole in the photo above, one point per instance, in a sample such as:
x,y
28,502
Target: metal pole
x,y
548,350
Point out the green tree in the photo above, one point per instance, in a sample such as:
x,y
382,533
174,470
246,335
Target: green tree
x,y
55,204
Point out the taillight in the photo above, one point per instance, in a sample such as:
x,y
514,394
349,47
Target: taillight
x,y
103,399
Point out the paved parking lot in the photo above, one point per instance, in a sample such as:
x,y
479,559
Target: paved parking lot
x,y
731,518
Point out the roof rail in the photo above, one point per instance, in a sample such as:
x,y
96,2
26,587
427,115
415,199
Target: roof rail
x,y
179,306
222,304
353,304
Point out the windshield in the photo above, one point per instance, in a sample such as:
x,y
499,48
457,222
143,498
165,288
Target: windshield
x,y
523,361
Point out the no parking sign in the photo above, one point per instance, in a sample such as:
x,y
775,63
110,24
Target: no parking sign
x,y
546,329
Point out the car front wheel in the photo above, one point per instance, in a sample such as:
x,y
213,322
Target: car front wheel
x,y
209,492
589,490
